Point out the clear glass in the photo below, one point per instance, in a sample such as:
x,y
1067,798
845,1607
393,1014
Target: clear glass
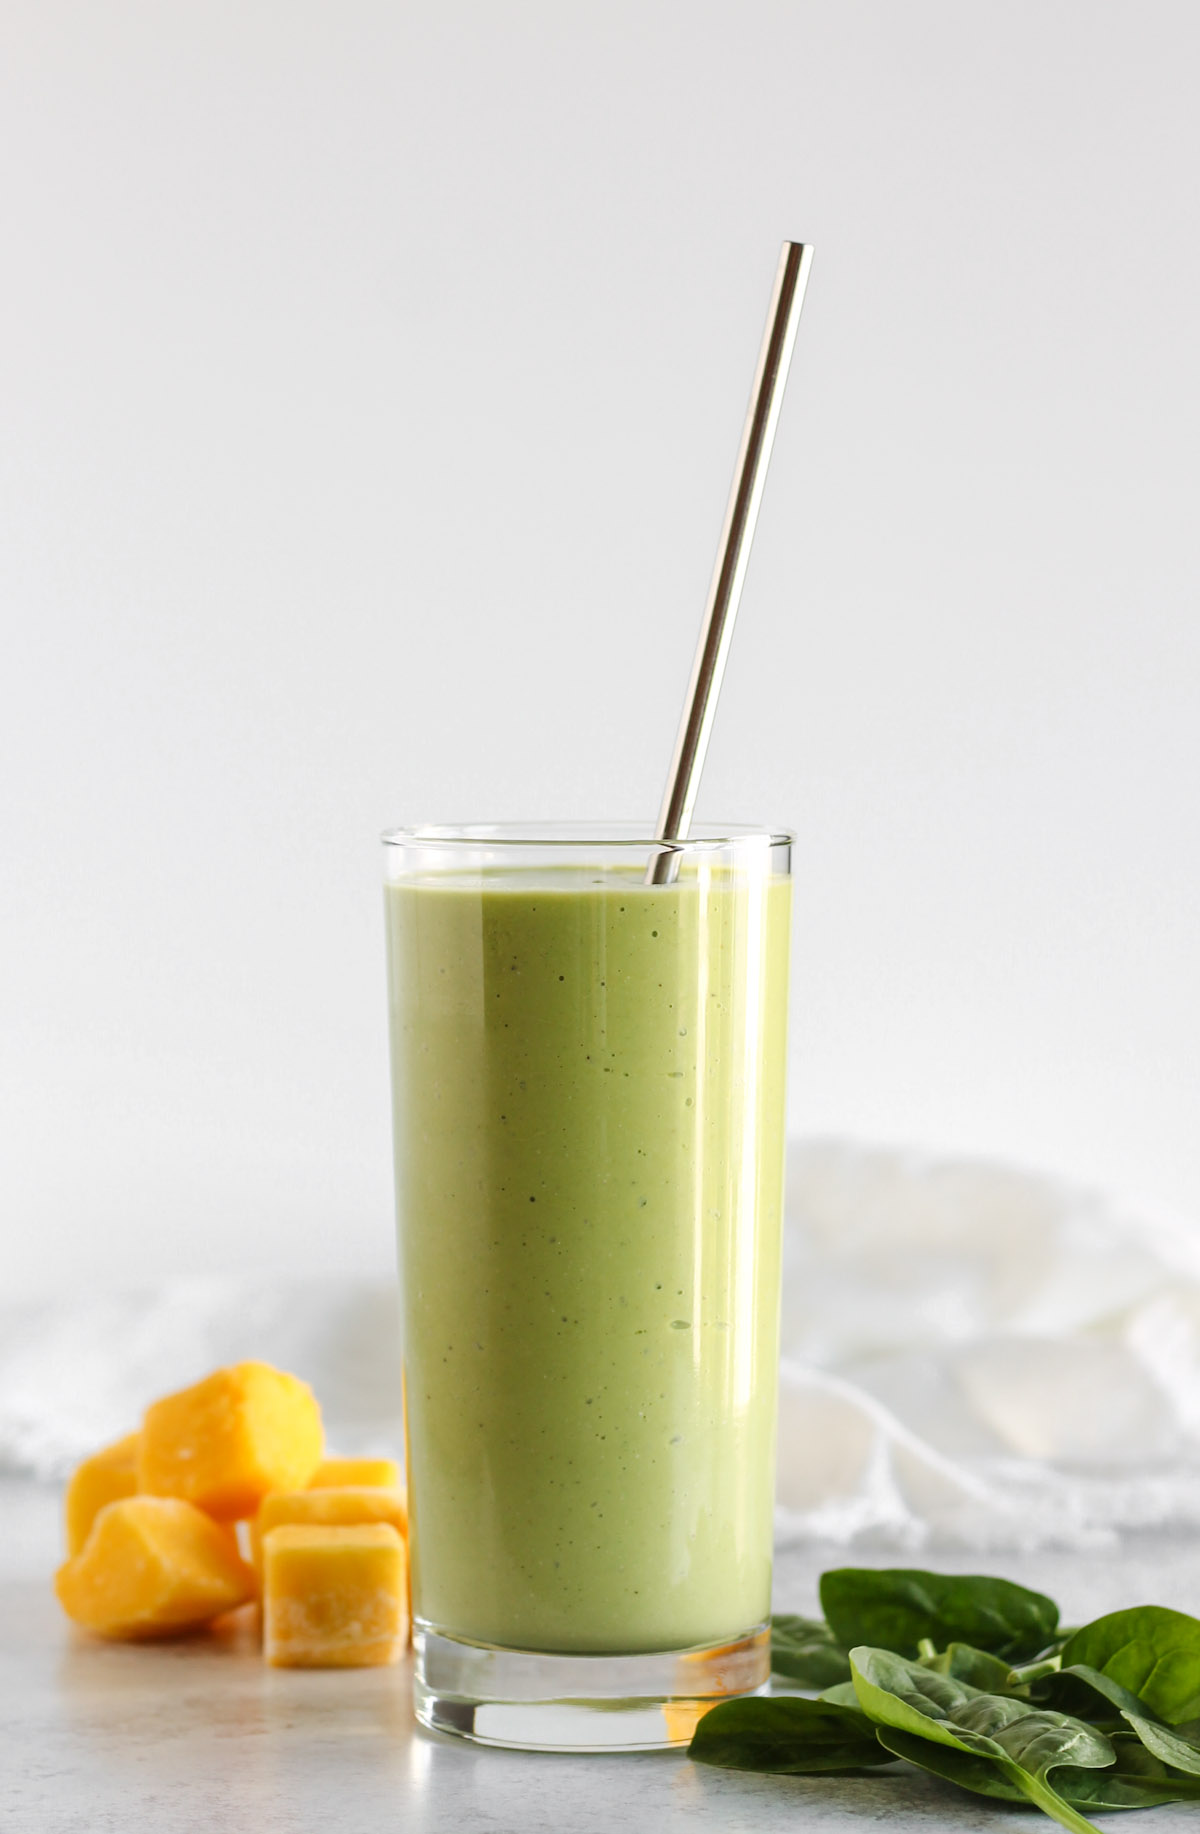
x,y
588,1079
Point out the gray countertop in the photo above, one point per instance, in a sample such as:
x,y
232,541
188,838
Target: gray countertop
x,y
199,1737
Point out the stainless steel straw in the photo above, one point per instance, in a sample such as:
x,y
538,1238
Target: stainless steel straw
x,y
733,555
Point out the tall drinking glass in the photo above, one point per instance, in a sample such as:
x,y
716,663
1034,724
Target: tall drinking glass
x,y
588,1077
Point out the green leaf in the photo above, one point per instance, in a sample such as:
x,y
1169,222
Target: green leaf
x,y
895,1608
1086,1693
1038,1740
803,1649
1114,1788
1025,1742
790,1735
895,1692
969,1771
1172,1747
842,1695
1137,1780
1118,1789
1153,1652
1132,1755
963,1663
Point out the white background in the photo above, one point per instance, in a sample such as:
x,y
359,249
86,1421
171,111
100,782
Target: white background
x,y
370,379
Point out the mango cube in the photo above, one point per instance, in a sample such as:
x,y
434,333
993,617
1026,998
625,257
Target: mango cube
x,y
334,1597
225,1442
338,1471
341,1506
153,1566
103,1478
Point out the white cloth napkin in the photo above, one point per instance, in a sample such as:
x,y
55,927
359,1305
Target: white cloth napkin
x,y
972,1356
978,1356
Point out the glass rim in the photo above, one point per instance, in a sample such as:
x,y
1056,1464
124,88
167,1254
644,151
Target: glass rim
x,y
705,837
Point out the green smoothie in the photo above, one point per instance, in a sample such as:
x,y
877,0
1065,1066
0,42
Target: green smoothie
x,y
588,1076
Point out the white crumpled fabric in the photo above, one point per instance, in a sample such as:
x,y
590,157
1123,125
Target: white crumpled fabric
x,y
972,1356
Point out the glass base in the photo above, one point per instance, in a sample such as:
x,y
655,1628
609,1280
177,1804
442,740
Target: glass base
x,y
533,1701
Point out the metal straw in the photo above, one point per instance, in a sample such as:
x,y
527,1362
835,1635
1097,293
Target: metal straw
x,y
733,555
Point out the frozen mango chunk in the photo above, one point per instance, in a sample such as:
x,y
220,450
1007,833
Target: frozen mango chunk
x,y
341,1506
334,1597
103,1478
225,1442
152,1566
338,1471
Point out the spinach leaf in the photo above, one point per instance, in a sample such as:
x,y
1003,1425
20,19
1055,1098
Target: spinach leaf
x,y
983,1670
1045,1662
895,1692
1137,1780
842,1695
1171,1747
1153,1652
1119,1787
1132,1755
789,1735
897,1608
803,1650
1024,1742
965,1768
1085,1693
